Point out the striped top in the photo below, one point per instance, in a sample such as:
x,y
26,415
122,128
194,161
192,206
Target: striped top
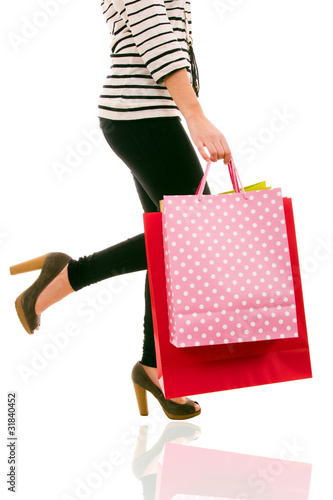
x,y
148,43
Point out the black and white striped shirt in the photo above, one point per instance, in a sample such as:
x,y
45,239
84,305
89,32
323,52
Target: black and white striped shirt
x,y
148,43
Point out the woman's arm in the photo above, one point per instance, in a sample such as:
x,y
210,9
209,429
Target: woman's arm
x,y
202,131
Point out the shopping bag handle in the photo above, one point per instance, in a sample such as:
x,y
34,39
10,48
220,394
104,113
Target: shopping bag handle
x,y
234,176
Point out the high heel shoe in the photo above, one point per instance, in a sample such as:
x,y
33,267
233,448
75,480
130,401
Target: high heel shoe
x,y
175,411
51,265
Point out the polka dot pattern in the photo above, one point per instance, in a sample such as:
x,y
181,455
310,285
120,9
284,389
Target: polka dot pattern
x,y
228,271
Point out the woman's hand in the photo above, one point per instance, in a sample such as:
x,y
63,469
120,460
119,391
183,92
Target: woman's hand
x,y
205,135
202,131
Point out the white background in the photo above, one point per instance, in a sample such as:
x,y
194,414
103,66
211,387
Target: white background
x,y
257,58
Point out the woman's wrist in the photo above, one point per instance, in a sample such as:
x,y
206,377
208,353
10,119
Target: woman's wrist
x,y
193,111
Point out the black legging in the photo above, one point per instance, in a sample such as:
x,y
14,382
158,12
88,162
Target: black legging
x,y
162,161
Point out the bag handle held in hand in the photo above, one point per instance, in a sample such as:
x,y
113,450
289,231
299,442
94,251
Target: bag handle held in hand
x,y
234,176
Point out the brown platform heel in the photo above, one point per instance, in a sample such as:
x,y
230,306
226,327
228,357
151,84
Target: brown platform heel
x,y
51,265
174,411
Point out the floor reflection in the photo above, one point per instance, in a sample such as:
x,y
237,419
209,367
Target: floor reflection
x,y
170,470
145,462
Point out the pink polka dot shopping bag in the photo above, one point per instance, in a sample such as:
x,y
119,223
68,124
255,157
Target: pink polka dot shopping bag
x,y
228,269
226,291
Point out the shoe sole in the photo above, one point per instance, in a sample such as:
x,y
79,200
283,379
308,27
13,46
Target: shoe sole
x,y
181,417
21,315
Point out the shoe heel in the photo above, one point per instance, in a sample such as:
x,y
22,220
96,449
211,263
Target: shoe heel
x,y
29,265
141,397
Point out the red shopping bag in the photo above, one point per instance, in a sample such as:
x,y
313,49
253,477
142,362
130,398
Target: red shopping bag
x,y
203,369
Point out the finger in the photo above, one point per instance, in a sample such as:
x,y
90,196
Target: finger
x,y
203,153
214,155
227,152
220,150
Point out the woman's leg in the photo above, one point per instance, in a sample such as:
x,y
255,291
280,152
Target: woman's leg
x,y
163,161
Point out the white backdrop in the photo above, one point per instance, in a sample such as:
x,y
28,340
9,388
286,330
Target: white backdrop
x,y
266,83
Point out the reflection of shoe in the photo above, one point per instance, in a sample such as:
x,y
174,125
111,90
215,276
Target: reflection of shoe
x,y
51,264
174,411
174,430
